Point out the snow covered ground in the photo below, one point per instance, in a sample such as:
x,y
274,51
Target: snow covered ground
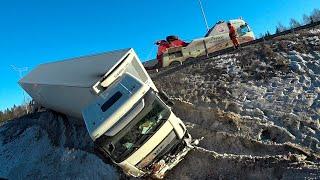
x,y
44,146
258,110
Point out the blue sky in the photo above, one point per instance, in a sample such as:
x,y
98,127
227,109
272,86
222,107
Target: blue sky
x,y
38,31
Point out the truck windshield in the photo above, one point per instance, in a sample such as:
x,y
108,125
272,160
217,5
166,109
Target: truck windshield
x,y
243,29
138,131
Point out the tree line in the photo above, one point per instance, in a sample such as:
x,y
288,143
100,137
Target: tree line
x,y
13,112
306,19
293,23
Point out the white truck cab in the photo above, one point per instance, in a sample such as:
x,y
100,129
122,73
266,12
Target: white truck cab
x,y
131,124
127,120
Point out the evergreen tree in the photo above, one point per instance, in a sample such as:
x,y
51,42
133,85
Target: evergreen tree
x,y
306,19
315,15
280,28
1,116
14,112
294,23
268,33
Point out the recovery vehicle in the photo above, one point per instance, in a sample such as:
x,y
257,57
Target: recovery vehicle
x,y
174,51
122,109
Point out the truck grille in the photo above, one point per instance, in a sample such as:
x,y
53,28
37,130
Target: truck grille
x,y
159,151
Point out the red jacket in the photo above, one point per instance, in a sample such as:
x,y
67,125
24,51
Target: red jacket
x,y
232,32
162,47
178,43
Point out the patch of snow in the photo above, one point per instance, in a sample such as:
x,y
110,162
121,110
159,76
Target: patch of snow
x,y
314,31
32,155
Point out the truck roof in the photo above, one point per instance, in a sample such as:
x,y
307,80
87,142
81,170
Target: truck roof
x,y
221,26
79,72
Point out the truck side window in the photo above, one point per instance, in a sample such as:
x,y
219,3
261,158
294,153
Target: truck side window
x,y
111,101
243,29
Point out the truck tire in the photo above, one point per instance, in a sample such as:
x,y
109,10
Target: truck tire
x,y
175,63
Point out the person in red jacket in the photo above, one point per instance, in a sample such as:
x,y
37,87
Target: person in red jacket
x,y
163,45
174,41
233,35
178,43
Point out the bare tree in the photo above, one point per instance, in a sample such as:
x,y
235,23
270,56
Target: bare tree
x,y
315,15
14,112
280,28
267,33
306,19
294,23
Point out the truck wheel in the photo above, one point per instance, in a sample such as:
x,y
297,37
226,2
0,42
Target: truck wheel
x,y
175,63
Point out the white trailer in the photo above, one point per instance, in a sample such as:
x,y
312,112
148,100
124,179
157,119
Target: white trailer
x,y
119,103
69,86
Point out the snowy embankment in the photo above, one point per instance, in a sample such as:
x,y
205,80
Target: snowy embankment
x,y
258,110
46,146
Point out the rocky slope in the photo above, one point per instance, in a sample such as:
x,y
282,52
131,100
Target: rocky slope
x,y
257,108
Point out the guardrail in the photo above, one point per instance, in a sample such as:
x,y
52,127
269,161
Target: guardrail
x,y
168,70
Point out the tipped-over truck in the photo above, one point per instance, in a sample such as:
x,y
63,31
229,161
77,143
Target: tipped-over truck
x,y
123,112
